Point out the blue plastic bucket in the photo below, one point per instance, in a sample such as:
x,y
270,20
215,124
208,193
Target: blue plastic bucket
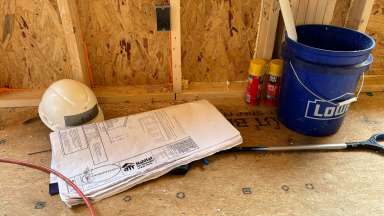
x,y
321,73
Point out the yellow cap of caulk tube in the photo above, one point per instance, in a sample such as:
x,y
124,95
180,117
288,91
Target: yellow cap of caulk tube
x,y
256,67
276,67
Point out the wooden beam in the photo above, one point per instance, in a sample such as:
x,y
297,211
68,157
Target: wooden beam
x,y
313,11
202,90
266,34
129,94
74,38
373,83
20,98
176,45
329,11
301,11
306,12
105,95
215,90
157,93
359,13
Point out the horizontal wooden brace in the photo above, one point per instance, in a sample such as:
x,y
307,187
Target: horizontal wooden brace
x,y
154,93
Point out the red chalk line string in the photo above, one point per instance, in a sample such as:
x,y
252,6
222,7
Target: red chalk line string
x,y
56,173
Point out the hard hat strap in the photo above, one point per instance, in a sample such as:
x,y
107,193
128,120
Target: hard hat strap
x,y
82,118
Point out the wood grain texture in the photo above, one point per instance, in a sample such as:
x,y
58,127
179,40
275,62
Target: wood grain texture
x,y
73,35
156,93
306,12
123,44
129,94
32,47
375,28
176,45
359,13
218,38
341,12
312,183
268,22
313,11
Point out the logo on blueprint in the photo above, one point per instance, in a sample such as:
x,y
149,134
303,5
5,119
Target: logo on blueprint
x,y
128,167
145,162
323,110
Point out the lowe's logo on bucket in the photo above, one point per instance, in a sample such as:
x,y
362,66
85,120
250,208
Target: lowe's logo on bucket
x,y
323,110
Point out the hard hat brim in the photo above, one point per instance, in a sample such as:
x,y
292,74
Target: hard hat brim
x,y
98,118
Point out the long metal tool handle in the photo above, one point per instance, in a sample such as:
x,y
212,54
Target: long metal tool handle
x,y
293,148
373,143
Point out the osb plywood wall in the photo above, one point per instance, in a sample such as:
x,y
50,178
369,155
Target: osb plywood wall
x,y
218,38
33,51
123,44
376,29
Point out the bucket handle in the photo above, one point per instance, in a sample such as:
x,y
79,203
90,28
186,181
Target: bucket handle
x,y
348,101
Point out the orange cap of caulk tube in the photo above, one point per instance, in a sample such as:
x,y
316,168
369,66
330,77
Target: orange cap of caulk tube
x,y
256,67
276,67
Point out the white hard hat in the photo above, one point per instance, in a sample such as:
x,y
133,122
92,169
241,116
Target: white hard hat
x,y
68,103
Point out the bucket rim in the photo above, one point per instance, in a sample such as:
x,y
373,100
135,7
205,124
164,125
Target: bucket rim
x,y
363,51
